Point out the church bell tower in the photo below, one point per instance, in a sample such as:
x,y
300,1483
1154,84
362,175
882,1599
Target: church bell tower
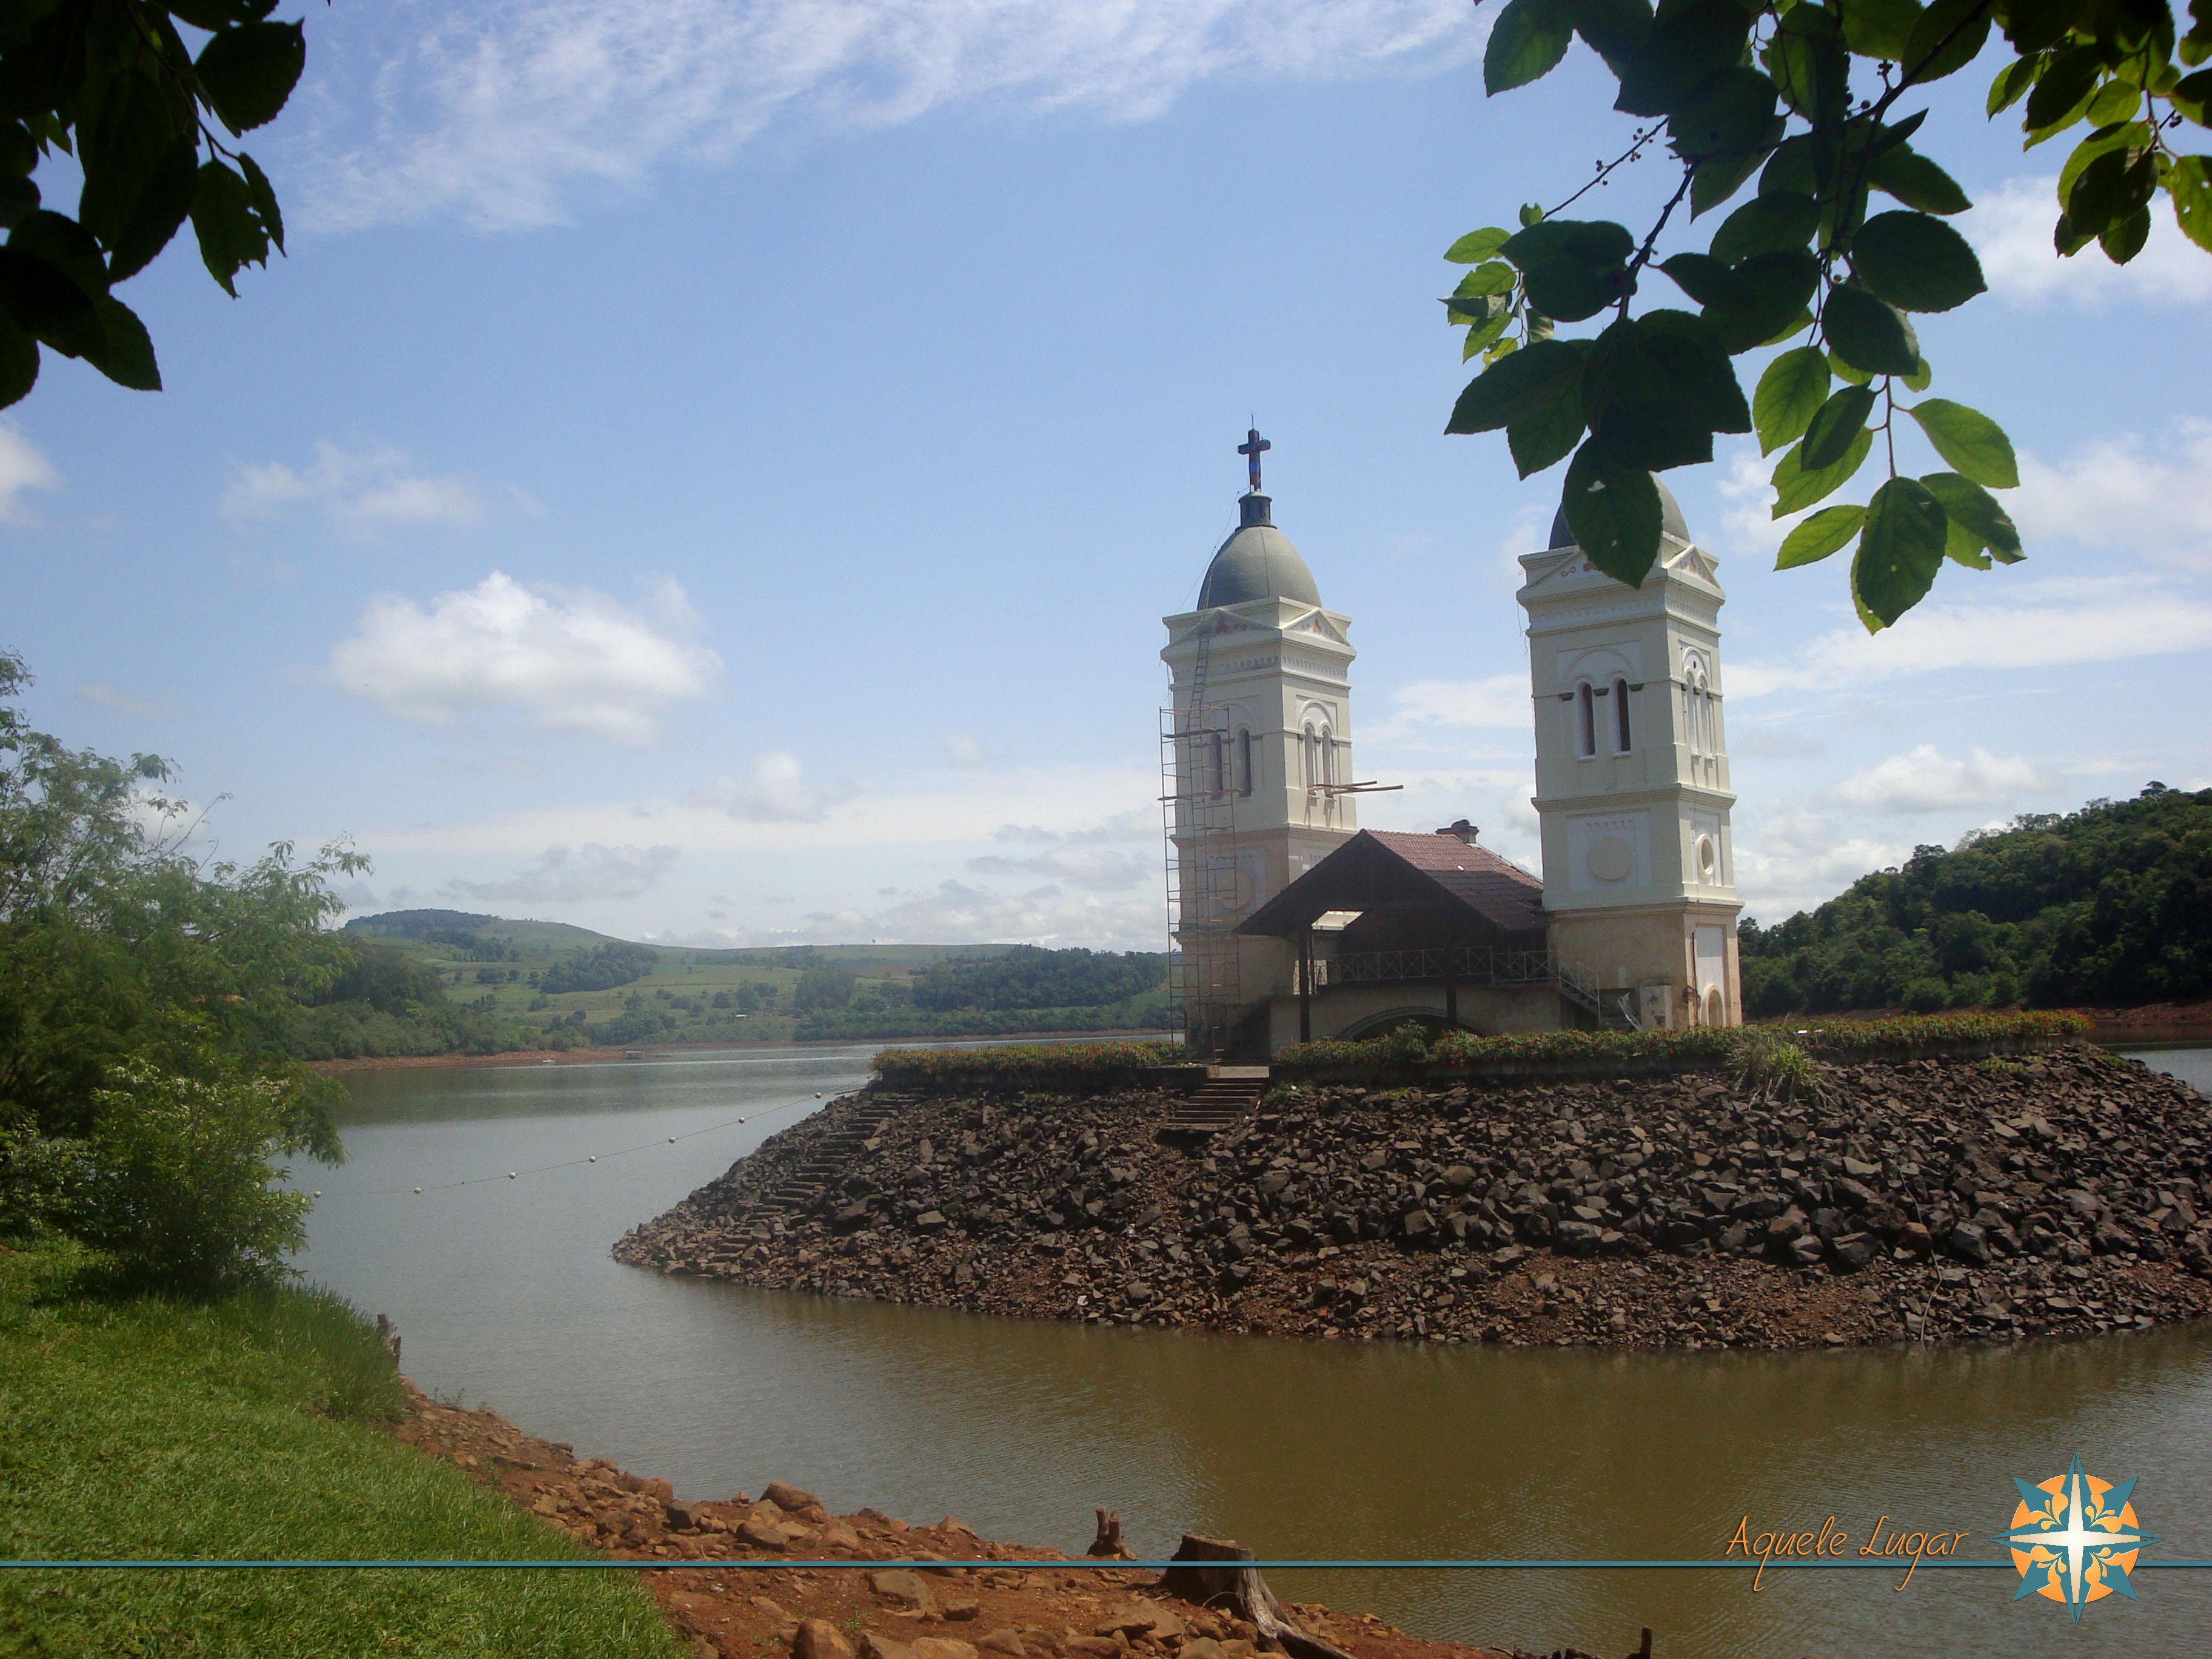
x,y
1257,759
1632,776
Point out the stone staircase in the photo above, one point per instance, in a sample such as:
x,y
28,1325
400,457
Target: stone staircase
x,y
829,1157
1228,1093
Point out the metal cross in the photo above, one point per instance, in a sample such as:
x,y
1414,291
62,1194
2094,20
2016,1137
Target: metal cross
x,y
1253,448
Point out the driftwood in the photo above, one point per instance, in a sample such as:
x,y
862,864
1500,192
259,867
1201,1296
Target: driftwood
x,y
1108,1544
1216,1578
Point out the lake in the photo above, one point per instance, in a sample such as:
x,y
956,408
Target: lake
x,y
505,1295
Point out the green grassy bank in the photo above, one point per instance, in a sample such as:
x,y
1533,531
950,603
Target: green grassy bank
x,y
251,1426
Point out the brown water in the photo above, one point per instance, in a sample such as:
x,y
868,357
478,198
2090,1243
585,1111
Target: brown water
x,y
505,1295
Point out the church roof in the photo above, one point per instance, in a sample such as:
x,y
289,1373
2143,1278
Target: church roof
x,y
1671,521
1383,868
1256,563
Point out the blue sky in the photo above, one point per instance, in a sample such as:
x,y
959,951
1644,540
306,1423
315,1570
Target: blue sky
x,y
714,472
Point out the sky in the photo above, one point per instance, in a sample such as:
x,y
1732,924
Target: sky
x,y
713,472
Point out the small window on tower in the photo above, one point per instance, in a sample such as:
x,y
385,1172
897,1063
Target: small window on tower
x,y
1621,717
1243,763
1585,721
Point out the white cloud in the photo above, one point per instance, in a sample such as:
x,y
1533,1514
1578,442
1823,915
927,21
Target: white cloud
x,y
559,875
500,115
1419,710
1791,860
570,661
2010,227
2123,495
1137,824
2040,626
775,792
22,468
963,750
100,694
957,912
1925,780
360,491
1095,869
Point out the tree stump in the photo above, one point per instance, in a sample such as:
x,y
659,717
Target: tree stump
x,y
1108,1544
1217,1578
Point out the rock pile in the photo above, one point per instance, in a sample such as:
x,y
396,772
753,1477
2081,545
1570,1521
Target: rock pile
x,y
1907,1201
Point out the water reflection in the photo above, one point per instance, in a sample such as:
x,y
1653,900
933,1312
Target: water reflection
x,y
505,1293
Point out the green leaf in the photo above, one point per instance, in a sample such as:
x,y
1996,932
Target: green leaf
x,y
66,245
1919,379
1843,371
1766,224
2190,184
1836,427
1868,333
1547,436
1820,535
2124,237
2011,84
1901,550
264,199
1477,245
1879,28
1917,181
1519,385
19,363
1960,547
138,157
1947,37
1526,44
1494,276
2065,84
2032,25
1614,29
1732,111
230,234
126,353
1719,177
1791,392
1972,510
1806,57
1481,334
248,71
2115,100
1973,443
1573,268
1687,44
1795,489
1915,262
1614,512
1747,304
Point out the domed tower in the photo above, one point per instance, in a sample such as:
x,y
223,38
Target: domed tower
x,y
1632,776
1259,757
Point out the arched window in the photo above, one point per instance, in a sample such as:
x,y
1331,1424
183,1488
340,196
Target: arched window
x,y
1585,721
1620,732
1243,761
1328,741
1714,1013
1698,716
1309,760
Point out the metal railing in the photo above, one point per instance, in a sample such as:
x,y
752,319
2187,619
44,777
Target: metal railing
x,y
1483,963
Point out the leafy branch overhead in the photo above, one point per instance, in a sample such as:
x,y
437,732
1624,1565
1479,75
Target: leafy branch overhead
x,y
1839,244
114,83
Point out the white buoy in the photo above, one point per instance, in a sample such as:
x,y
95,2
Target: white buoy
x,y
319,1192
418,1189
672,1141
818,1094
510,1174
594,1158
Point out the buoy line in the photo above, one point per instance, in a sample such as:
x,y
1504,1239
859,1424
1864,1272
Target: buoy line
x,y
574,1163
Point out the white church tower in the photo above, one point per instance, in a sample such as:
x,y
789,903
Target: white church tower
x,y
1632,776
1259,758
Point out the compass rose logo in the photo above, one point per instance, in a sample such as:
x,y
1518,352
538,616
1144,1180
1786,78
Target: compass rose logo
x,y
2075,1538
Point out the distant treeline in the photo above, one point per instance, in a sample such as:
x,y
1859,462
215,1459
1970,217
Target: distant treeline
x,y
385,1004
602,968
2108,906
1029,977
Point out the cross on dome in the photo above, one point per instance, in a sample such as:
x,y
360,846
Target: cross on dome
x,y
1253,448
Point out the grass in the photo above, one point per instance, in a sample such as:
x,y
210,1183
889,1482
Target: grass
x,y
252,1427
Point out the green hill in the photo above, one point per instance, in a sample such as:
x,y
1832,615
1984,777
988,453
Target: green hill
x,y
444,981
2111,905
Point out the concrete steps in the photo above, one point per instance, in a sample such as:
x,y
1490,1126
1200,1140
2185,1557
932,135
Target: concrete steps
x,y
1226,1096
830,1159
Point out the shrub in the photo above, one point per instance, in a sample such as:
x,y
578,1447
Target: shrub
x,y
1044,1065
1764,1060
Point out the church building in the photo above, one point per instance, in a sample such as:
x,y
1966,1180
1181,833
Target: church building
x,y
1292,923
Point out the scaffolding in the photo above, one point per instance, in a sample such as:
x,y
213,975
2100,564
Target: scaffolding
x,y
1198,813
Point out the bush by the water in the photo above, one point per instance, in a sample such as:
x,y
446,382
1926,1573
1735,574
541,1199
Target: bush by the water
x,y
146,997
2111,905
1409,1051
1048,1065
253,1426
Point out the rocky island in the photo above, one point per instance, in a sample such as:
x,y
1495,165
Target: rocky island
x,y
1886,1201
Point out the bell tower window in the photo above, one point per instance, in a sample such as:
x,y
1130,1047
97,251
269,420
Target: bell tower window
x,y
1585,721
1620,731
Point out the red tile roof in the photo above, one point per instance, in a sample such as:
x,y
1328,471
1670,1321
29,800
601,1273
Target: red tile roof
x,y
1499,889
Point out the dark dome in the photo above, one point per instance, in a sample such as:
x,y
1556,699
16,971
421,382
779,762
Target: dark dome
x,y
1671,522
1256,563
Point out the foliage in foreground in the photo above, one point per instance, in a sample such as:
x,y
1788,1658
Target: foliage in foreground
x,y
2110,905
1408,1049
114,88
1820,103
145,999
248,1426
1044,1064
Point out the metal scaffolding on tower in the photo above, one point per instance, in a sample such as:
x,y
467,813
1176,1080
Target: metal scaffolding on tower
x,y
1197,812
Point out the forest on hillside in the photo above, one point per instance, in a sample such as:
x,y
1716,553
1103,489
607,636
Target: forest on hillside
x,y
2108,906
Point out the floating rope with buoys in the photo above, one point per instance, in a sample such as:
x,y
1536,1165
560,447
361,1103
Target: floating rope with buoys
x,y
577,1163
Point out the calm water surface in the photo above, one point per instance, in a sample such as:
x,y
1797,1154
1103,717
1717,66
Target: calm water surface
x,y
506,1295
